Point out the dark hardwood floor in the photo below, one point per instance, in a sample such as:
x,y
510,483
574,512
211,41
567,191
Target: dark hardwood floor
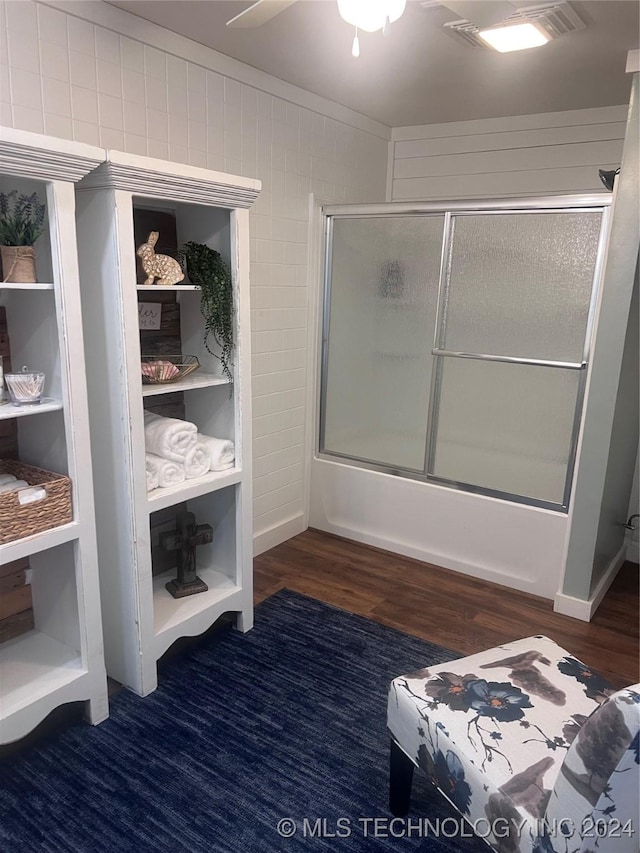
x,y
461,613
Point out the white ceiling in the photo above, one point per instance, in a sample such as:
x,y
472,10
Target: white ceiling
x,y
418,74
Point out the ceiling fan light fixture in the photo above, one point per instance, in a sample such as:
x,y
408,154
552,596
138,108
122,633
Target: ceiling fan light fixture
x,y
371,15
507,38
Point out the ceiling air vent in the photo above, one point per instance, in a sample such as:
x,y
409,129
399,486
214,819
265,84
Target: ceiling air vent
x,y
554,19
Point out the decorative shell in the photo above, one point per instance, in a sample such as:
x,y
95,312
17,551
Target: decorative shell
x,y
160,371
157,369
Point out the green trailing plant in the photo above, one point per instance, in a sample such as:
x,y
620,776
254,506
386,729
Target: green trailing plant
x,y
21,219
206,269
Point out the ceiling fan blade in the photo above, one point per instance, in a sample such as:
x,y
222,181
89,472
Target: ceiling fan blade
x,y
260,13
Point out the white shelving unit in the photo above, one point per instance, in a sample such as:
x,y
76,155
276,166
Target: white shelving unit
x,y
201,379
141,618
61,659
47,404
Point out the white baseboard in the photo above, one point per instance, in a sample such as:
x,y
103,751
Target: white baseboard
x,y
567,605
272,536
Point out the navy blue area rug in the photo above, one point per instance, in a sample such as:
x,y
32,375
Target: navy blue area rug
x,y
269,741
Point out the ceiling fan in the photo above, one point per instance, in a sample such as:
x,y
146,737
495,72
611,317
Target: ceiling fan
x,y
259,13
368,15
499,24
485,13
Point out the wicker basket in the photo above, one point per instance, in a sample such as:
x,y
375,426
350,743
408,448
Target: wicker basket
x,y
18,521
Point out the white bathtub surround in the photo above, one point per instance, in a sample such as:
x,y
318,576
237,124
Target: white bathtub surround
x,y
518,546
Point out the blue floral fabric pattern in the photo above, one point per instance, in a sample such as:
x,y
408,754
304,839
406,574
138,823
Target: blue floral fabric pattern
x,y
490,699
447,772
595,686
541,739
502,702
599,781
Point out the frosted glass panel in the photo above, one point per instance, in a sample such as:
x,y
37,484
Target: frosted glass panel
x,y
520,284
506,427
383,296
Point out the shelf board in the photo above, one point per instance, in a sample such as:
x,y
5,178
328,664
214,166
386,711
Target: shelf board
x,y
19,548
35,665
197,379
211,482
26,285
180,617
166,287
47,404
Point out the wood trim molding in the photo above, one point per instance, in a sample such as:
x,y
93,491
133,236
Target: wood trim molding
x,y
149,182
145,176
32,155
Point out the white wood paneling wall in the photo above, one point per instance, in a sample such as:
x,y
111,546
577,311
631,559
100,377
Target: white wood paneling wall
x,y
546,154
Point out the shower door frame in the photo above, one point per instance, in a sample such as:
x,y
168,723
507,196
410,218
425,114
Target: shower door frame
x,y
577,203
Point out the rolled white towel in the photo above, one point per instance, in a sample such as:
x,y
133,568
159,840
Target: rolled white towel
x,y
222,452
152,474
7,478
13,486
170,438
197,461
169,473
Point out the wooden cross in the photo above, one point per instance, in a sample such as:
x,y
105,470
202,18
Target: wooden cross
x,y
184,540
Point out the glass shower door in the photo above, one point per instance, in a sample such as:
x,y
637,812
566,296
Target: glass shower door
x,y
511,351
380,316
456,343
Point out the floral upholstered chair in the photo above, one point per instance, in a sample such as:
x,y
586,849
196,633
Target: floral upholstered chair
x,y
538,753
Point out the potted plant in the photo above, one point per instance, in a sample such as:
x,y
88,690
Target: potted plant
x,y
206,269
21,223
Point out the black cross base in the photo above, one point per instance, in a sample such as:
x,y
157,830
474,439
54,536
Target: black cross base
x,y
184,540
179,590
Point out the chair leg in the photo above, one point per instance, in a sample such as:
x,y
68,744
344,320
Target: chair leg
x,y
400,779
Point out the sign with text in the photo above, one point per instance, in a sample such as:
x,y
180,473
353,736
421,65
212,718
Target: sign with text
x,y
149,315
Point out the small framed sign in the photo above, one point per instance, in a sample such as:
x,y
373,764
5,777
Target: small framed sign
x,y
149,315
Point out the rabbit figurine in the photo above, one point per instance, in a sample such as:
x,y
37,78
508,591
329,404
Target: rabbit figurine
x,y
165,269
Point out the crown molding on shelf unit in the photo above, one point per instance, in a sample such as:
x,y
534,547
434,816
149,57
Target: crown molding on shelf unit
x,y
33,155
175,181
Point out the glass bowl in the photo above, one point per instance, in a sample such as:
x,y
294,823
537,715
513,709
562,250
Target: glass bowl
x,y
25,388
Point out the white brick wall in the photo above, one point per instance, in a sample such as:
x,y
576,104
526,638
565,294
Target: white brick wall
x,y
68,77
